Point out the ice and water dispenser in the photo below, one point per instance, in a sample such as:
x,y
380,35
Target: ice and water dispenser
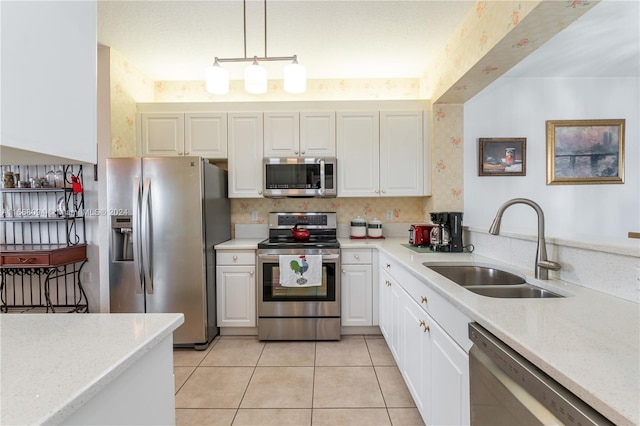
x,y
121,238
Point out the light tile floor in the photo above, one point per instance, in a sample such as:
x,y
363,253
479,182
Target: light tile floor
x,y
243,381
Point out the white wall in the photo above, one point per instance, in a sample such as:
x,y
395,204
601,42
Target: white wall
x,y
48,79
519,107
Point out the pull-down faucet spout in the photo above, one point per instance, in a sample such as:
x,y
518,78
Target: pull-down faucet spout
x,y
542,264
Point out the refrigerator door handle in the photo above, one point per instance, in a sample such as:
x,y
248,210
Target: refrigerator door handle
x,y
146,236
137,259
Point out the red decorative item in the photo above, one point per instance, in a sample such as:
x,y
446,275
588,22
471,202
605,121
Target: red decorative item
x,y
77,186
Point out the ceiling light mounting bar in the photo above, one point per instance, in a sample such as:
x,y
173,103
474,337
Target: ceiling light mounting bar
x,y
246,59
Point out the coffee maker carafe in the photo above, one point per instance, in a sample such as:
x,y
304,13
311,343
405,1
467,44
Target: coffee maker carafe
x,y
446,236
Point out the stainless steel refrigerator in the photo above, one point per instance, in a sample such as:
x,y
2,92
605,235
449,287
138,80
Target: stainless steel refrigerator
x,y
166,215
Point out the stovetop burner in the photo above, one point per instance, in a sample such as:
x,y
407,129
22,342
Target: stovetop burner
x,y
321,226
293,244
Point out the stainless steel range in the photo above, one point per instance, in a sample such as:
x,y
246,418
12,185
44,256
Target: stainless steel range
x,y
299,278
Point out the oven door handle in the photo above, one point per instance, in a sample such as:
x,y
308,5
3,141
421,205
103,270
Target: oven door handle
x,y
276,257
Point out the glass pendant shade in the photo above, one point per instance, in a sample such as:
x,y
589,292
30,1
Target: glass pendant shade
x,y
295,78
217,79
255,78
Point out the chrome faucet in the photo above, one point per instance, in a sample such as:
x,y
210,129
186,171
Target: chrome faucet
x,y
542,265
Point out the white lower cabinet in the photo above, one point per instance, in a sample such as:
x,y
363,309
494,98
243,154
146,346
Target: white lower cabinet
x,y
434,366
236,288
356,288
389,313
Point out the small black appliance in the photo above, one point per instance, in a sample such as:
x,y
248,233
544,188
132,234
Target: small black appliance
x,y
446,236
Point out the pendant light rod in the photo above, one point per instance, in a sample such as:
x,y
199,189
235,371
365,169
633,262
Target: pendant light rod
x,y
265,29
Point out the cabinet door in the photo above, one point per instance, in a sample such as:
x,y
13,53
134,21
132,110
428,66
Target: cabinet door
x,y
416,353
162,134
318,134
389,317
356,295
281,134
236,294
245,155
206,134
358,153
401,154
449,394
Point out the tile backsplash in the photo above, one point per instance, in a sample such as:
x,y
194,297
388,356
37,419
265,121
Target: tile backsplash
x,y
401,209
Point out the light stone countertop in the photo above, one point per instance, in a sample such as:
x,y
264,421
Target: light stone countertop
x,y
588,341
52,364
239,244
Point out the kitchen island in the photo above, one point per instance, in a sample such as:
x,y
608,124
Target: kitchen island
x,y
87,369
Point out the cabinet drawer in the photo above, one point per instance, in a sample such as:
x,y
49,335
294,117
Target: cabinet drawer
x,y
26,260
232,257
355,256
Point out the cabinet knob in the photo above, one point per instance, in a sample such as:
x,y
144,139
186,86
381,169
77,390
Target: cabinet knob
x,y
384,190
295,152
179,153
251,273
388,265
260,191
388,283
357,256
424,299
422,323
376,191
302,152
186,153
235,258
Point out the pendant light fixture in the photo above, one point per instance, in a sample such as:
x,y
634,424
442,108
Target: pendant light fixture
x,y
255,76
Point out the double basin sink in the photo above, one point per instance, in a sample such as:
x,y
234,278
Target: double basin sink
x,y
490,281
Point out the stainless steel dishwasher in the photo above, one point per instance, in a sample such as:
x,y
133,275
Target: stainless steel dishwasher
x,y
506,389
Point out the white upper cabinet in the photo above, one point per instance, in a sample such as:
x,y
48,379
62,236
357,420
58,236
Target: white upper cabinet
x,y
162,134
358,146
305,134
318,134
401,154
281,134
246,150
206,134
180,134
380,154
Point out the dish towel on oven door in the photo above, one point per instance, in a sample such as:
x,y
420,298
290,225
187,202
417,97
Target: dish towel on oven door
x,y
300,270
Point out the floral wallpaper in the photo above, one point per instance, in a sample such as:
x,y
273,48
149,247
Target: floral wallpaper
x,y
128,87
317,90
491,39
447,165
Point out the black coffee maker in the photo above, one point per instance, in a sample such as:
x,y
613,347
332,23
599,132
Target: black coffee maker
x,y
447,235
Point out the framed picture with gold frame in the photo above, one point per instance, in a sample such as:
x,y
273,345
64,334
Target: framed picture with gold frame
x,y
585,151
502,157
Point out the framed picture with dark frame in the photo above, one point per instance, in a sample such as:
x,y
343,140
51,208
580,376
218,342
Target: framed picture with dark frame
x,y
585,151
502,157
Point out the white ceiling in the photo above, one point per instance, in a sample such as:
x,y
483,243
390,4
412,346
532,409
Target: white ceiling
x,y
176,40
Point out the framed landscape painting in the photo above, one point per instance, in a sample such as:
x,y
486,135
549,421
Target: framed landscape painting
x,y
502,157
585,151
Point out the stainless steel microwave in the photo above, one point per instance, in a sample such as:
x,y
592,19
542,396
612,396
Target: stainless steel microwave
x,y
300,177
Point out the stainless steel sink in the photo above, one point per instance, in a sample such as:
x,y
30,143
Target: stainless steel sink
x,y
516,292
466,275
490,282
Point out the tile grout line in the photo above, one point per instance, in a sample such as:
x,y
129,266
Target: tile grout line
x,y
386,407
248,383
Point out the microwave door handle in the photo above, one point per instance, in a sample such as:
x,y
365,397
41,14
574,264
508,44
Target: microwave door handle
x,y
322,175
